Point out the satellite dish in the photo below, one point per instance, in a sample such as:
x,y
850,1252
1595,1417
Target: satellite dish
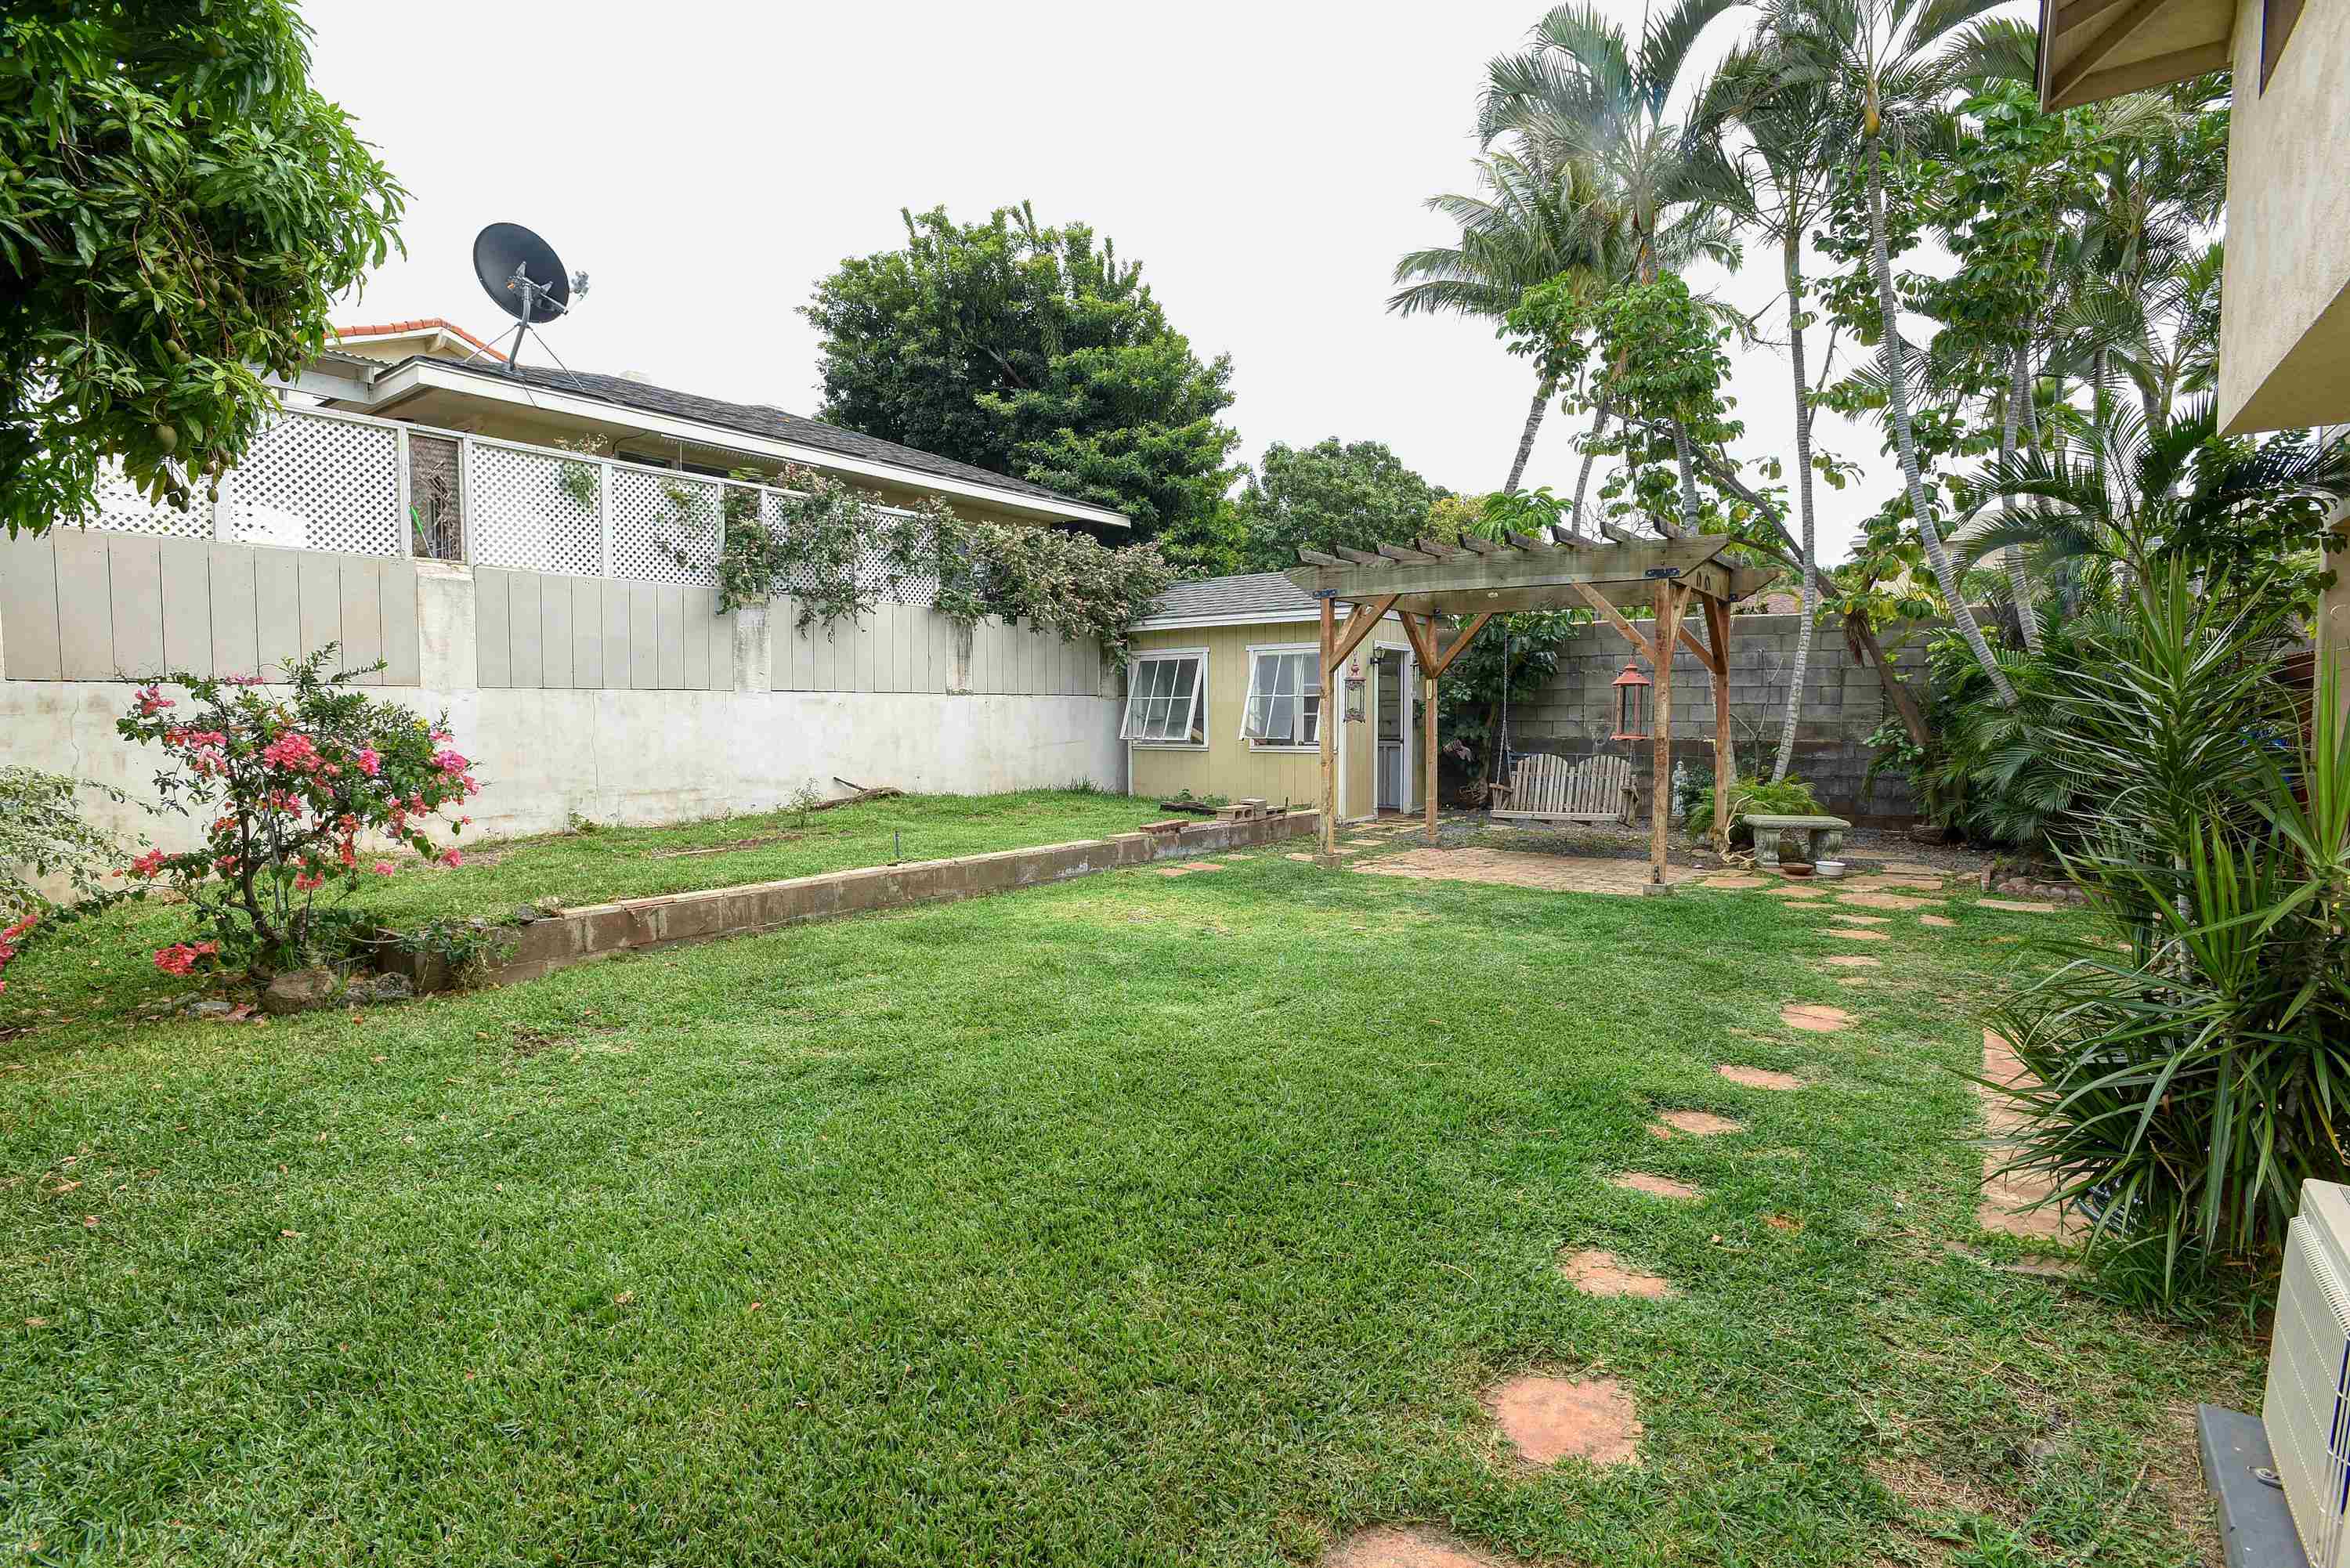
x,y
523,277
521,273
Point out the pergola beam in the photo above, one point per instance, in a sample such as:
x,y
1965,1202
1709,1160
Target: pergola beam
x,y
1527,564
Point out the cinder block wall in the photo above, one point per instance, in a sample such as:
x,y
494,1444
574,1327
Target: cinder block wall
x,y
1843,702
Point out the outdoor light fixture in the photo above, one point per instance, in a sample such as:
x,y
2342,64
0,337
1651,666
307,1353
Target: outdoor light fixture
x,y
1631,704
1353,699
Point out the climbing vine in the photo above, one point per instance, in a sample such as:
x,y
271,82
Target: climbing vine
x,y
815,545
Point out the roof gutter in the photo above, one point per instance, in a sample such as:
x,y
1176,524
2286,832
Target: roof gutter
x,y
414,375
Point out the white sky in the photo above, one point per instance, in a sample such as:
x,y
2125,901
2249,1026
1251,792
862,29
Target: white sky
x,y
1266,162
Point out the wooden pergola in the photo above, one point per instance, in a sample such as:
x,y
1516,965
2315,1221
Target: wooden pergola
x,y
1474,580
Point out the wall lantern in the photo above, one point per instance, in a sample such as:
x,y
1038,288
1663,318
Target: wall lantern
x,y
1353,699
1631,704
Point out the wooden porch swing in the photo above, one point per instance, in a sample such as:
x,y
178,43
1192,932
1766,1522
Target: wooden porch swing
x,y
1477,579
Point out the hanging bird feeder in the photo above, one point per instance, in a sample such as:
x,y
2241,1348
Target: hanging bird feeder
x,y
1631,704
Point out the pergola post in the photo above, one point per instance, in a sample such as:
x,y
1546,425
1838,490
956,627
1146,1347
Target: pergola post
x,y
1725,760
1332,715
1660,790
1428,742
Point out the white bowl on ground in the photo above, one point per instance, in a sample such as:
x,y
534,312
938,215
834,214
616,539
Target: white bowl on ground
x,y
1828,870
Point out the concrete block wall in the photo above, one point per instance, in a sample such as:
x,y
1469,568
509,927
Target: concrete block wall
x,y
690,714
1843,702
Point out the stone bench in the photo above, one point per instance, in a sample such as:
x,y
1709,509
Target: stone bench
x,y
1823,835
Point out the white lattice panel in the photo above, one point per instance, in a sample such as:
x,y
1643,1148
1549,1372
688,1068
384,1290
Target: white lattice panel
x,y
872,565
534,510
323,483
122,510
665,527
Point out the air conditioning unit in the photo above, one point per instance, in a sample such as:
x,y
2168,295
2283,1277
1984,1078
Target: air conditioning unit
x,y
2307,1407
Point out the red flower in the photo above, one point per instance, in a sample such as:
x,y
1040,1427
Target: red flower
x,y
152,701
147,865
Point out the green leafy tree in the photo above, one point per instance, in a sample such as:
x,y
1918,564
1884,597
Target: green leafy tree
x,y
1036,353
177,212
1355,493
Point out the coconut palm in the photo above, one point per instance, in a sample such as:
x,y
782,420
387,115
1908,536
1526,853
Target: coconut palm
x,y
1891,67
1787,128
1580,96
1530,222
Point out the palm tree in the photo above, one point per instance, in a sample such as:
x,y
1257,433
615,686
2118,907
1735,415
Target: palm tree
x,y
1890,66
2142,493
1529,223
1579,96
1788,129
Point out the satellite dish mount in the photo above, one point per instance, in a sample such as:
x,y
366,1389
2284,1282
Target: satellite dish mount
x,y
523,277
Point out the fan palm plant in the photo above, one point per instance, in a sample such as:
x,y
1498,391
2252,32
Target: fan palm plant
x,y
1532,220
1891,67
1580,95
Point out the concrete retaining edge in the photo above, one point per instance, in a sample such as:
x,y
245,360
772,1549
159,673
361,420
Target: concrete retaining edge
x,y
638,925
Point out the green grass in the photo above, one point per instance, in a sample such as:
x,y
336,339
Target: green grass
x,y
1133,1219
642,862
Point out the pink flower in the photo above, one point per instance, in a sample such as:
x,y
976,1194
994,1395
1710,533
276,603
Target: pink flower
x,y
452,858
20,928
147,865
371,760
246,680
304,881
381,868
152,701
450,763
178,958
293,752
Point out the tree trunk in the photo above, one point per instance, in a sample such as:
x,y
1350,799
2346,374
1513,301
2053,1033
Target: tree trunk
x,y
1793,258
1690,504
1543,394
2019,393
1897,387
1897,695
1583,481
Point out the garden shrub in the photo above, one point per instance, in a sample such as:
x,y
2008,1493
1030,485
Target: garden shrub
x,y
1786,798
290,785
42,835
2191,1056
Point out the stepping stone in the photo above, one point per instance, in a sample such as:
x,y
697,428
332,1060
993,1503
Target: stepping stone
x,y
1852,960
1548,1419
1202,866
1815,1017
1734,882
1693,1124
2020,905
1859,920
1942,920
1599,1273
1307,859
1799,890
1174,871
1911,868
1404,1546
1654,1186
1761,1078
1887,900
1854,934
1880,883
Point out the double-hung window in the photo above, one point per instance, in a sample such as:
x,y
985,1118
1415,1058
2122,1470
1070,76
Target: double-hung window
x,y
1284,697
1167,700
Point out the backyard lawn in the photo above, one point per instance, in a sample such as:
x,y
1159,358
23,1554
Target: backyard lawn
x,y
1132,1220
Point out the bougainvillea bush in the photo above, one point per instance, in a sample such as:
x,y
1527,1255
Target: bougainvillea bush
x,y
290,784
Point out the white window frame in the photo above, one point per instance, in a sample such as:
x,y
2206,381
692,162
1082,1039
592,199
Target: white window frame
x,y
1135,661
1311,684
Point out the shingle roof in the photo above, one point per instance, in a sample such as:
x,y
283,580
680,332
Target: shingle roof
x,y
762,420
1253,595
422,324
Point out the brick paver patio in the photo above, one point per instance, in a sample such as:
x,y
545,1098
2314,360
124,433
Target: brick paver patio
x,y
1550,873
